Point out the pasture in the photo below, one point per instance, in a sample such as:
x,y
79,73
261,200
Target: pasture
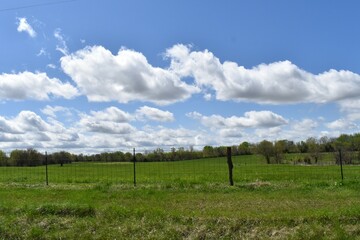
x,y
181,200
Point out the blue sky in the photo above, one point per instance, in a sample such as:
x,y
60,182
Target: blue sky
x,y
92,76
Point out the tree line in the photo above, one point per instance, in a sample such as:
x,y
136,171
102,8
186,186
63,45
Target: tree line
x,y
273,152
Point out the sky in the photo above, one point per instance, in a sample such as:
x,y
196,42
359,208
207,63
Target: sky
x,y
89,76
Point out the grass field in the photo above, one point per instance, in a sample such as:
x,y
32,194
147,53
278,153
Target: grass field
x,y
180,200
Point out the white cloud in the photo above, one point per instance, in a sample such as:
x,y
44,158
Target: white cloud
x,y
110,121
273,133
38,86
194,115
124,77
24,26
28,129
207,96
29,121
7,126
250,120
25,122
351,109
42,52
341,124
168,137
154,114
52,66
106,130
107,127
110,129
305,125
274,83
231,133
232,130
52,111
61,46
113,114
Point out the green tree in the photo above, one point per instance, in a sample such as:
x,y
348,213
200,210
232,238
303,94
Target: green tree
x,y
266,149
139,157
302,146
34,158
279,150
326,144
244,148
313,148
128,157
220,151
18,157
61,157
3,159
208,151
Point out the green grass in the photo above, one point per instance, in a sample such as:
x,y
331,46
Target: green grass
x,y
211,170
253,210
180,200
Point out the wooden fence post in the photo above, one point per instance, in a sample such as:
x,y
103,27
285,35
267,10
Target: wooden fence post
x,y
134,167
341,165
230,165
46,169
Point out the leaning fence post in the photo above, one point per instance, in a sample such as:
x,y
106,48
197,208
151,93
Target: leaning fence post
x,y
230,165
46,169
341,167
134,161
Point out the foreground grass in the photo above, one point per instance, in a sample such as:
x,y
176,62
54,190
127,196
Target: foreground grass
x,y
181,200
181,210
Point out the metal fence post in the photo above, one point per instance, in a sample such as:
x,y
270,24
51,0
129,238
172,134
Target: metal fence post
x,y
230,165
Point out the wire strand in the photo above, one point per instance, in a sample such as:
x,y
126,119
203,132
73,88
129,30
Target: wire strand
x,y
36,5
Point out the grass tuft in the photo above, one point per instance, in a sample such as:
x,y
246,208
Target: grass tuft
x,y
63,210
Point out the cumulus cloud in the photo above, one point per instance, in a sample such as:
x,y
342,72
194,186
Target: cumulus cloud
x,y
38,86
154,114
52,111
273,133
274,83
105,130
7,126
124,77
28,129
29,121
110,129
168,137
341,124
231,133
251,119
350,109
111,121
305,125
24,26
27,125
112,114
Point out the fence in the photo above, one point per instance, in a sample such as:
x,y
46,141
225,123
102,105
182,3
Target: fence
x,y
249,168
